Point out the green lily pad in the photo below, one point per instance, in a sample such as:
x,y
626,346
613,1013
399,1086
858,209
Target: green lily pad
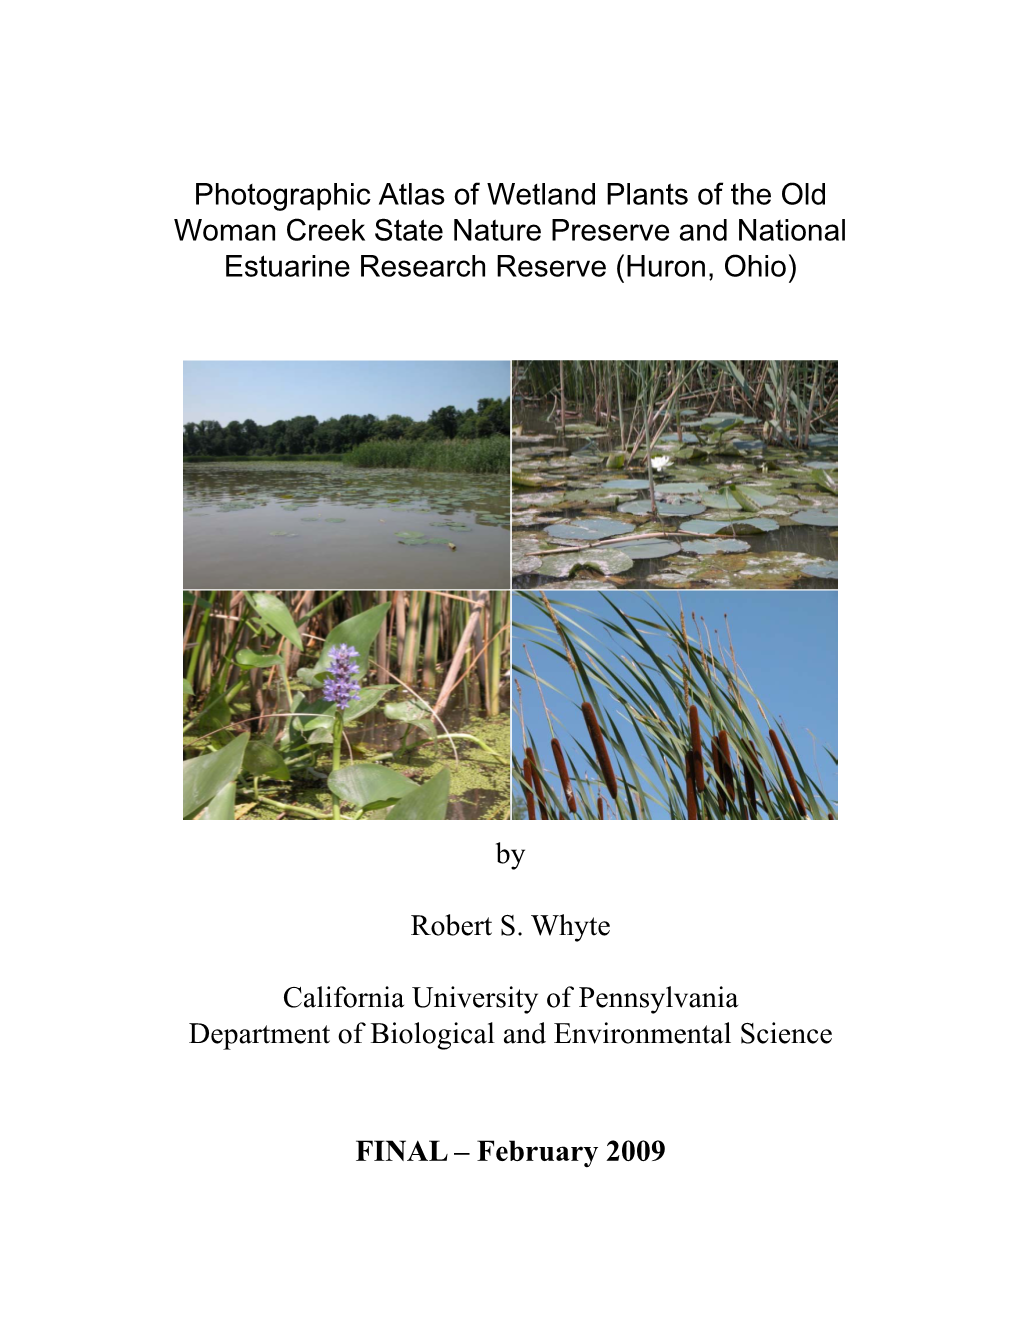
x,y
656,549
825,568
591,529
605,559
291,534
309,520
419,538
522,555
629,484
817,519
681,488
688,509
702,527
759,524
723,547
721,500
334,520
759,498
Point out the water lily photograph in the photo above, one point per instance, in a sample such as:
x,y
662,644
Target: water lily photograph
x,y
346,705
649,705
367,473
693,474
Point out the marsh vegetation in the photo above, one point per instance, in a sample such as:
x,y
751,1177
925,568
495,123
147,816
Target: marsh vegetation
x,y
346,705
675,473
637,712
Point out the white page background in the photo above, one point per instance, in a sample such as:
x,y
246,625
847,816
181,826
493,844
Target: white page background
x,y
153,1178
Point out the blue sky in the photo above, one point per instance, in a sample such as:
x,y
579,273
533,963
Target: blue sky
x,y
266,391
785,642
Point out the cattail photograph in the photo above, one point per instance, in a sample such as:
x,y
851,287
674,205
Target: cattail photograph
x,y
685,474
652,705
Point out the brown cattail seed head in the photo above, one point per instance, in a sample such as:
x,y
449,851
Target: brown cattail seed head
x,y
561,766
536,779
788,772
699,764
529,796
601,750
692,792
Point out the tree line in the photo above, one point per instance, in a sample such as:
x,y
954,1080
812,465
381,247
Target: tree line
x,y
336,435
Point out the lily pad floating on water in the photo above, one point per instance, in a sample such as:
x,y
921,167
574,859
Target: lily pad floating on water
x,y
702,527
759,498
523,558
309,519
605,559
650,549
759,524
687,509
334,520
824,568
591,529
822,467
724,547
665,509
721,500
681,488
817,519
630,484
454,526
419,538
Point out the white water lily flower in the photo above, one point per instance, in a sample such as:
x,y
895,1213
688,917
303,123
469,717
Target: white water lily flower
x,y
659,463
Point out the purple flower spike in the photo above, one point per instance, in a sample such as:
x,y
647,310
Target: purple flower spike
x,y
341,687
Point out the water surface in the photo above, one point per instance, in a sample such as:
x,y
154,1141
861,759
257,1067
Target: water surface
x,y
324,525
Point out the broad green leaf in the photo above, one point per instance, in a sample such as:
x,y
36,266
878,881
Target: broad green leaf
x,y
273,611
409,712
369,786
222,805
370,697
262,758
359,632
252,659
204,776
189,691
429,802
215,716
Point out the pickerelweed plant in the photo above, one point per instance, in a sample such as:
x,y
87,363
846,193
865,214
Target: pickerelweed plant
x,y
672,727
341,688
273,688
